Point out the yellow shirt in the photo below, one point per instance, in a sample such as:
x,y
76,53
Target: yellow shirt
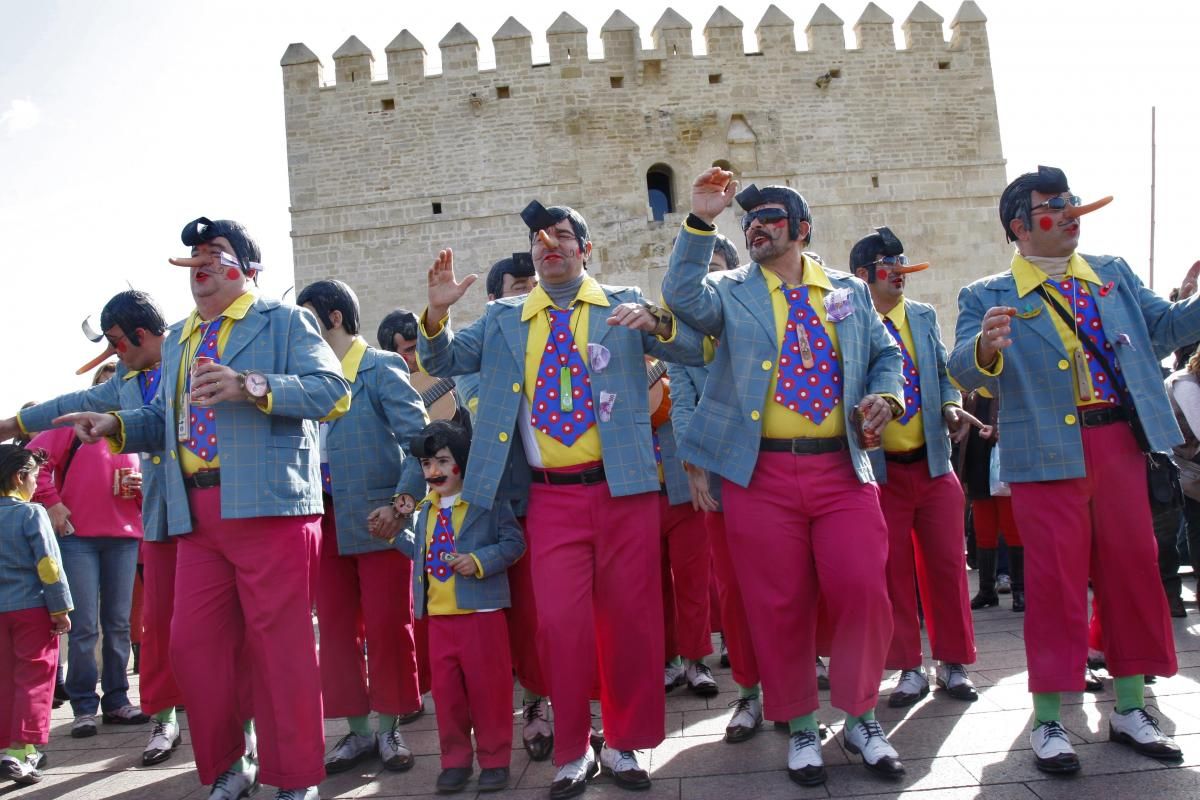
x,y
440,598
778,421
1028,276
899,438
586,448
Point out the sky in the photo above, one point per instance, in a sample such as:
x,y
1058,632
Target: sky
x,y
122,120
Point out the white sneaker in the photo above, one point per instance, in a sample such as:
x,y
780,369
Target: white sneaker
x,y
163,740
747,717
83,726
20,771
805,765
309,793
868,740
232,785
822,675
700,679
674,676
1052,749
397,756
350,749
538,735
953,678
624,768
572,777
1139,729
912,686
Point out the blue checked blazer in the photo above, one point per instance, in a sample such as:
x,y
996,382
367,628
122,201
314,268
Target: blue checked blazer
x,y
29,556
119,392
687,384
368,448
936,390
494,346
492,535
1036,384
735,307
270,464
674,477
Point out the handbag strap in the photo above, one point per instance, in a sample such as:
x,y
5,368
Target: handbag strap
x,y
1088,345
75,445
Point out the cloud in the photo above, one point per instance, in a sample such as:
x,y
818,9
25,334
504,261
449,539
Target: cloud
x,y
21,115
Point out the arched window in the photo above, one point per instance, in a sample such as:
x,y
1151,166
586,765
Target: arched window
x,y
658,190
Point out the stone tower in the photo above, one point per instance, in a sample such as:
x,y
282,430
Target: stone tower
x,y
383,173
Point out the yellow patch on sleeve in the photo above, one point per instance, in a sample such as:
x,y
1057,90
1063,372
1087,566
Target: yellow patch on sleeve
x,y
48,571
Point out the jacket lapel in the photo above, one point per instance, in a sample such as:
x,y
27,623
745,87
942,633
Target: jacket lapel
x,y
244,332
1038,316
516,333
754,295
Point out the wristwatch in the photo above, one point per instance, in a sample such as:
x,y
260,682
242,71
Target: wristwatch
x,y
662,317
254,384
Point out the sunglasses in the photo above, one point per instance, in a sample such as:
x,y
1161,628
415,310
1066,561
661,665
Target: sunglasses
x,y
1058,203
767,216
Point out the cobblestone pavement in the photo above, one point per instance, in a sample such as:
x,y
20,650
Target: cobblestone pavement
x,y
952,750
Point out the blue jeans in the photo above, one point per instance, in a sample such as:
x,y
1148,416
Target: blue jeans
x,y
100,570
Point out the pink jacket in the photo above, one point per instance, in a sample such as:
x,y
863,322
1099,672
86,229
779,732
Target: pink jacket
x,y
88,493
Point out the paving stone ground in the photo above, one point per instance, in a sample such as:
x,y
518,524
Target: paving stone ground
x,y
952,750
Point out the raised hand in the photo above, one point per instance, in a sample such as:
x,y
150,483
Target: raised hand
x,y
712,193
444,288
994,334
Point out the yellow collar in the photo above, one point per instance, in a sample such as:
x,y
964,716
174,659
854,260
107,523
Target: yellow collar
x,y
15,494
435,500
537,301
1029,276
897,315
133,373
353,358
813,275
236,310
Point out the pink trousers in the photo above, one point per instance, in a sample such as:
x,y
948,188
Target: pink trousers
x,y
803,528
28,659
686,563
925,536
249,583
523,623
598,581
365,599
159,691
472,687
1098,525
742,662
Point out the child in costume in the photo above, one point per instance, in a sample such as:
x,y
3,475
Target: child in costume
x,y
34,601
462,553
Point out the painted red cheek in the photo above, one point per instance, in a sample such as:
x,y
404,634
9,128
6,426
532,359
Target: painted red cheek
x,y
1046,223
122,347
231,274
881,274
454,470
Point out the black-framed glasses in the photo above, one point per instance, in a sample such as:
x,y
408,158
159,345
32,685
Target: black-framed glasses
x,y
891,262
1058,203
767,216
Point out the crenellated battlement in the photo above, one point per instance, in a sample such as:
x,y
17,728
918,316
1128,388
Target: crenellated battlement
x,y
671,36
384,172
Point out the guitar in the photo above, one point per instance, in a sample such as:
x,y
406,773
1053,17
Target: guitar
x,y
436,393
660,391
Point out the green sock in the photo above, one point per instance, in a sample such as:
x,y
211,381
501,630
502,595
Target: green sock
x,y
360,726
748,692
241,765
387,721
677,661
30,749
806,723
1047,707
167,716
528,697
867,716
17,752
1131,692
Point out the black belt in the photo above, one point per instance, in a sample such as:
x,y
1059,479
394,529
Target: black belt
x,y
906,456
204,479
586,477
1095,417
802,447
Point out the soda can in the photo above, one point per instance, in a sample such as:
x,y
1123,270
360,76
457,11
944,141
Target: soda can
x,y
867,441
120,489
201,361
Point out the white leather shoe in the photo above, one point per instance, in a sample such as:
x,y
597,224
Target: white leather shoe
x,y
624,767
700,679
1139,729
868,740
747,717
822,675
912,686
232,785
805,765
953,678
674,676
163,740
350,749
572,777
1052,749
538,734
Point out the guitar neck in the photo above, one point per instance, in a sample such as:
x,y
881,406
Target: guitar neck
x,y
654,373
437,391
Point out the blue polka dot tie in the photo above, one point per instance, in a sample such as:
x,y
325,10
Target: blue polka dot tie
x,y
562,394
912,382
1087,320
443,545
148,383
326,475
810,380
202,440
